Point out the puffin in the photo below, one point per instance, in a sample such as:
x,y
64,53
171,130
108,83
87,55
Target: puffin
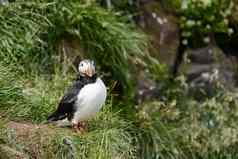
x,y
83,100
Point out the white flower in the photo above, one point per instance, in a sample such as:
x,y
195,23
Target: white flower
x,y
183,18
159,20
228,12
230,31
186,34
184,5
206,2
154,15
206,39
185,42
190,23
199,23
208,26
226,21
165,20
4,2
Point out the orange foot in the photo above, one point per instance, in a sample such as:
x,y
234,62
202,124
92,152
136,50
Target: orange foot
x,y
75,128
81,127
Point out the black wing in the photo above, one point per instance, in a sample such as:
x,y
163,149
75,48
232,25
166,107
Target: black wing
x,y
66,105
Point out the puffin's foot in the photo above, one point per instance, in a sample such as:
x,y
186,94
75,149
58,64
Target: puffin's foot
x,y
76,128
80,127
84,126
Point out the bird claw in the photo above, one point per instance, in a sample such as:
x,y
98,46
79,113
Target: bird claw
x,y
80,128
75,128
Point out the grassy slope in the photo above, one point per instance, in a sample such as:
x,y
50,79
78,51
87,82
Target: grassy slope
x,y
29,94
34,99
171,129
44,23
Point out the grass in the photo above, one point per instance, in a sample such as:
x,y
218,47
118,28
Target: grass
x,y
36,98
32,82
31,37
182,127
29,91
106,139
176,128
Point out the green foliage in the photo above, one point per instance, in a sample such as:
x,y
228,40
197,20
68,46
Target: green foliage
x,y
178,127
107,138
21,25
183,127
30,31
10,93
171,5
34,98
201,17
126,8
109,41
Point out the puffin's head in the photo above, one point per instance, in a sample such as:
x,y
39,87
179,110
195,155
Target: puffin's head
x,y
87,68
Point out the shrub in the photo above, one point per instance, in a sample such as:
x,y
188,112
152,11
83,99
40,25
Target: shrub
x,y
183,127
30,31
199,18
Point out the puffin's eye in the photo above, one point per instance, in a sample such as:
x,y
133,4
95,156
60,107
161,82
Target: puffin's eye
x,y
81,64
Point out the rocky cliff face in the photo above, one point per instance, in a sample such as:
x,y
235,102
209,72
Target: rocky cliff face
x,y
208,68
205,68
163,29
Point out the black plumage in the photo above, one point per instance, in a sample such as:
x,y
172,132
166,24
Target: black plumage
x,y
66,106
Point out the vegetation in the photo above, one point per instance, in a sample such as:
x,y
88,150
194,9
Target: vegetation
x,y
202,17
102,35
108,135
182,127
32,82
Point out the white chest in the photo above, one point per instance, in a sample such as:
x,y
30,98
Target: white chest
x,y
89,101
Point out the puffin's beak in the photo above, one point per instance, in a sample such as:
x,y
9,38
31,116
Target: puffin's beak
x,y
89,72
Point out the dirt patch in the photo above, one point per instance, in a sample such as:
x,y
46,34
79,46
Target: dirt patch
x,y
26,128
10,153
34,137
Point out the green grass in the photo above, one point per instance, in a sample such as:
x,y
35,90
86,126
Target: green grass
x,y
28,45
172,129
107,138
187,128
34,99
30,39
32,80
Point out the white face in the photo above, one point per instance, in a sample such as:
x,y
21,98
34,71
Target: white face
x,y
87,68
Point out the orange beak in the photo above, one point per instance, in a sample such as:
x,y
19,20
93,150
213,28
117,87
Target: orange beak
x,y
89,72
